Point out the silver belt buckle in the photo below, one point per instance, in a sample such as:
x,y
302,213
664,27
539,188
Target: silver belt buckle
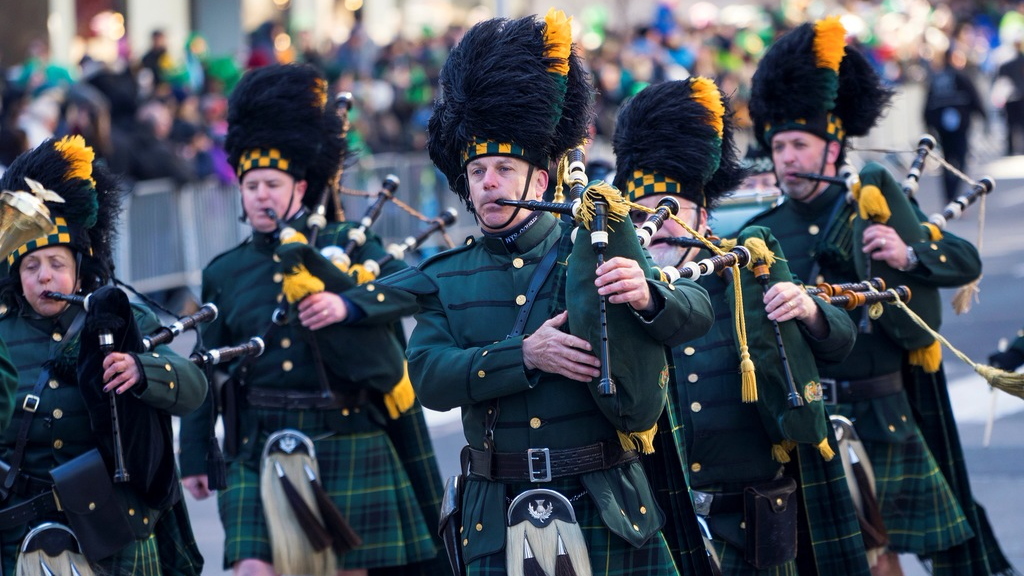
x,y
540,456
702,502
829,392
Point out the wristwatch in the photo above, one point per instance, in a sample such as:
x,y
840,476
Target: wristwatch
x,y
912,260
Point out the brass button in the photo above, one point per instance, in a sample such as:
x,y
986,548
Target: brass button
x,y
92,505
287,365
942,258
635,527
695,467
465,541
689,350
380,297
520,300
286,342
3,309
743,525
933,246
820,279
692,378
892,428
155,355
813,229
903,417
778,501
484,353
245,439
145,521
518,262
58,413
171,384
345,412
278,277
481,374
469,241
671,286
58,443
643,509
167,367
479,526
461,529
280,297
53,384
695,406
131,511
57,337
534,422
277,258
370,287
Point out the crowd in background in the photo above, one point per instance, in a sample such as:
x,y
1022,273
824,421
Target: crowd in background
x,y
163,114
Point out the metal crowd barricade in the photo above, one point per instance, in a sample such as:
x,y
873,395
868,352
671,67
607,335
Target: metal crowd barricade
x,y
168,234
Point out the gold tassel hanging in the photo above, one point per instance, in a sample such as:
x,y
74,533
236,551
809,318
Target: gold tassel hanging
x,y
780,454
402,396
299,283
642,441
934,232
968,293
749,380
825,450
759,251
361,274
618,207
872,205
928,357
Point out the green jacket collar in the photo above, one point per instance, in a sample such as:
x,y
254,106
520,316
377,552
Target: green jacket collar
x,y
524,239
822,203
268,241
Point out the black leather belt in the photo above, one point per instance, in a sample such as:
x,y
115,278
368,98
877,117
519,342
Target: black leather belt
x,y
849,391
25,485
292,400
27,511
711,503
544,465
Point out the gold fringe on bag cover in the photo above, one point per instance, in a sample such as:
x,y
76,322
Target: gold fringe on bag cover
x,y
640,441
293,553
299,283
618,207
1009,382
872,205
928,358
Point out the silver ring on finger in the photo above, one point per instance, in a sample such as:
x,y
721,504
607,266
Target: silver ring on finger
x,y
883,242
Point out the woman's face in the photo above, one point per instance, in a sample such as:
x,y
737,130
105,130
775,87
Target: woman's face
x,y
49,269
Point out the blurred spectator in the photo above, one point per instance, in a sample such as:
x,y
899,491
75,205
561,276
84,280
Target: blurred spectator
x,y
147,152
156,60
952,99
1013,72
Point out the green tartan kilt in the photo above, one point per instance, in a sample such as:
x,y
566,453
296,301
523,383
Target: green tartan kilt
x,y
919,509
610,555
363,476
732,563
141,558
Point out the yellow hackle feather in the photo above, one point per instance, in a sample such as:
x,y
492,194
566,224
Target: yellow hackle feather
x,y
929,358
829,43
299,283
872,205
79,156
558,41
706,93
402,396
642,441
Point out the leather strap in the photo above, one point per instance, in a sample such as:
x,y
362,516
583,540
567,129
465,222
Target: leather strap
x,y
540,275
27,511
31,403
542,464
849,391
292,400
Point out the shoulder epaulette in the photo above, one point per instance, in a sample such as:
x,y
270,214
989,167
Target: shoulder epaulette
x,y
469,243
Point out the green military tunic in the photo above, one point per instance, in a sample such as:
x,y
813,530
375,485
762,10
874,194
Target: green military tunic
x,y
8,381
728,449
61,430
460,356
917,504
378,499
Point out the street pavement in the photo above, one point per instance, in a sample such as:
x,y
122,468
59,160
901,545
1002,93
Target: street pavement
x,y
996,469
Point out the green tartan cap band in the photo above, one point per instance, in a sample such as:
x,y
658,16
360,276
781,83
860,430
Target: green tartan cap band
x,y
647,183
829,127
480,147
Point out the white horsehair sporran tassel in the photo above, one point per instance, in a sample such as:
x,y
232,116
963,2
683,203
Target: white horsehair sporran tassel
x,y
541,527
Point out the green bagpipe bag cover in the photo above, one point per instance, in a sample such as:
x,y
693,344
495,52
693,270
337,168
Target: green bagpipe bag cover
x,y
638,363
786,426
354,355
926,301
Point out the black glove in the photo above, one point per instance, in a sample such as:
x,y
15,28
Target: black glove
x,y
1009,360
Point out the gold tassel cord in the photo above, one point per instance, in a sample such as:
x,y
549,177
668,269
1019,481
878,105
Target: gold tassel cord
x,y
1009,382
872,205
968,293
780,454
829,43
642,441
618,207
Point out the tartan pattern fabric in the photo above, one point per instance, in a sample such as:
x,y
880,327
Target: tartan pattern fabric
x,y
378,501
610,555
60,234
140,558
483,147
262,158
980,555
919,510
732,563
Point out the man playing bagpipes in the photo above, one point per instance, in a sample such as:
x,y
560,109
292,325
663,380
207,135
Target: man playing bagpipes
x,y
89,482
674,143
809,94
552,480
317,480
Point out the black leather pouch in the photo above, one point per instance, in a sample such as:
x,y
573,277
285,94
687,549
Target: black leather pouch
x,y
85,493
770,513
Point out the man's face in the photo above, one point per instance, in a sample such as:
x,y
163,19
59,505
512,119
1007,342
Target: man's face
x,y
264,188
492,178
795,151
666,254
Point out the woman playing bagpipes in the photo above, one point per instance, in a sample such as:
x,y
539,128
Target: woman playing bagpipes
x,y
809,94
92,419
318,482
674,144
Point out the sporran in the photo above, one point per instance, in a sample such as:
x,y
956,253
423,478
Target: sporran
x,y
543,538
52,549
